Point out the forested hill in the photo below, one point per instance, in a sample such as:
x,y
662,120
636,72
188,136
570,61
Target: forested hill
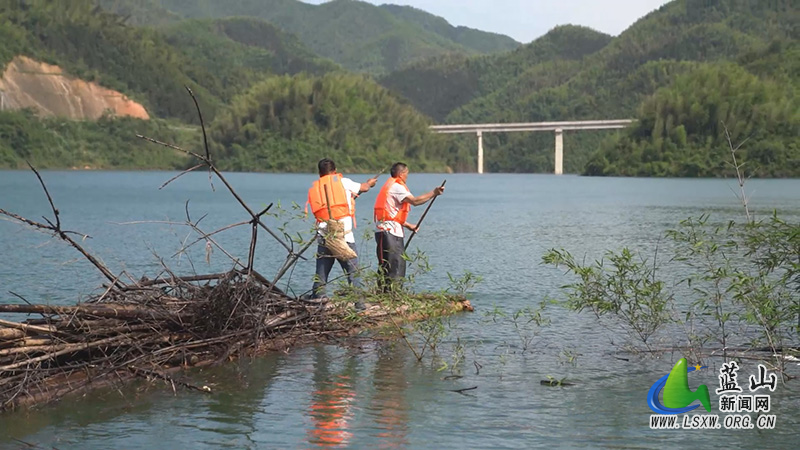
x,y
220,60
471,38
140,12
240,51
686,72
672,51
216,59
439,85
360,36
288,123
95,46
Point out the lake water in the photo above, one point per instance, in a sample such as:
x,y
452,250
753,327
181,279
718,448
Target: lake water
x,y
371,393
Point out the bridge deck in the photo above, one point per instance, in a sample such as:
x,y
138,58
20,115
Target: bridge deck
x,y
533,126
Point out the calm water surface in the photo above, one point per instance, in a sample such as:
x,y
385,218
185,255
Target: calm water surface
x,y
373,394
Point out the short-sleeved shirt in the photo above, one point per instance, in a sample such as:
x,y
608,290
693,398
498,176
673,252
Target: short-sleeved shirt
x,y
394,199
351,188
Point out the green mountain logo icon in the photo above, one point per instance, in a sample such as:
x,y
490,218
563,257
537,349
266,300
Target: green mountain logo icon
x,y
677,395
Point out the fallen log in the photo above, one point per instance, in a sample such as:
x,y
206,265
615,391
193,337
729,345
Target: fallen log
x,y
29,329
106,310
10,334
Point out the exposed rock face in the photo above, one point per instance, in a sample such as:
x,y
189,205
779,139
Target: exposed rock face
x,y
31,84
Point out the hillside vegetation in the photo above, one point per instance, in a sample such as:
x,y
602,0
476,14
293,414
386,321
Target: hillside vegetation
x,y
239,52
620,80
220,60
439,85
681,129
288,123
57,143
273,103
359,36
140,12
94,45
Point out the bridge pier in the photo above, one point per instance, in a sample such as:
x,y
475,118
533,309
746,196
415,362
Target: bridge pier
x,y
559,169
480,151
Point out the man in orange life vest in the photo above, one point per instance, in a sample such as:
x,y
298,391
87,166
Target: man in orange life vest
x,y
341,191
391,211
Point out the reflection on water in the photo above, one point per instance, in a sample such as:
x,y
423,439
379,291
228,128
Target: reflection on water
x,y
388,404
338,401
379,396
331,402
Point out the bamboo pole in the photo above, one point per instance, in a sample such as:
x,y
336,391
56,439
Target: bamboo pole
x,y
424,213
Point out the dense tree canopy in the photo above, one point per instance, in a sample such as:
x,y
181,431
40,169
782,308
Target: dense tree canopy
x,y
681,129
289,123
109,143
439,85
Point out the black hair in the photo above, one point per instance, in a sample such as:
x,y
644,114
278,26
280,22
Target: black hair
x,y
397,168
326,166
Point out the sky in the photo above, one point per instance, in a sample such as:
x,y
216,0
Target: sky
x,y
526,20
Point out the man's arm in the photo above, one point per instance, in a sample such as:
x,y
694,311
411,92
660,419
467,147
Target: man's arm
x,y
366,185
410,226
424,198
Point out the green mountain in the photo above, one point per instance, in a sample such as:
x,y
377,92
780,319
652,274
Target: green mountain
x,y
359,36
683,129
471,38
288,123
439,85
140,12
228,63
620,80
685,72
241,51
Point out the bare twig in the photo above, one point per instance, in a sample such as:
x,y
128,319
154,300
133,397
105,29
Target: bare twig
x,y
403,335
180,175
462,391
204,236
49,198
739,175
205,137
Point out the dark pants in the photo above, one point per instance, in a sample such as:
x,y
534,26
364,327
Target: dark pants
x,y
392,266
324,265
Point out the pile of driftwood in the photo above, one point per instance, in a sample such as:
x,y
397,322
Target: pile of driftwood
x,y
153,327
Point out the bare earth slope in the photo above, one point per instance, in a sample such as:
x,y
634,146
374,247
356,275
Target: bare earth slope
x,y
27,83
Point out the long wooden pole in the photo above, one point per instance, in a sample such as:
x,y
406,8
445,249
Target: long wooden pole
x,y
422,218
376,177
328,202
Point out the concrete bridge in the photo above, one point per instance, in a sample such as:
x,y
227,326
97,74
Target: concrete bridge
x,y
558,127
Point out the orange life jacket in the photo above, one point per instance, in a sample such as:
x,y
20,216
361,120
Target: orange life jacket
x,y
337,195
382,206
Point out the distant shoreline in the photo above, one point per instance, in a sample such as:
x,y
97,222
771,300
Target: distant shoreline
x,y
369,173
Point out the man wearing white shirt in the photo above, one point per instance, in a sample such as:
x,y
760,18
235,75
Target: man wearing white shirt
x,y
340,192
391,213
